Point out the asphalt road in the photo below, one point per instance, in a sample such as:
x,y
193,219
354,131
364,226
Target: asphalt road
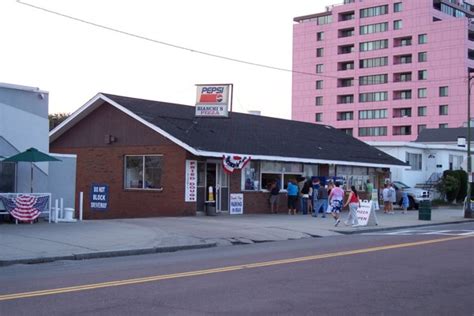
x,y
425,271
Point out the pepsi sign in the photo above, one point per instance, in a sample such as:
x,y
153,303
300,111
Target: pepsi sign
x,y
212,100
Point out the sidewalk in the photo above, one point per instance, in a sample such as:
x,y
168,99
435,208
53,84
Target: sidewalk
x,y
43,242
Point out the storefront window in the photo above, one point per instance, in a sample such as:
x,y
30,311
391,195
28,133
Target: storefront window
x,y
268,178
143,172
259,175
7,177
251,174
311,171
276,171
354,176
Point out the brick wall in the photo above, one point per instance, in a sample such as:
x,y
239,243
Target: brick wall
x,y
255,202
106,166
99,162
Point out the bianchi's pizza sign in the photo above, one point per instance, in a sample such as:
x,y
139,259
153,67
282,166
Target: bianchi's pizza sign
x,y
213,100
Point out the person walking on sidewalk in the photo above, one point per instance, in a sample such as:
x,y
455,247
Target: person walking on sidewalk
x,y
336,196
354,203
292,192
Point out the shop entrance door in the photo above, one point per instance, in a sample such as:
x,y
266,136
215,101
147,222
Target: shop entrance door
x,y
219,181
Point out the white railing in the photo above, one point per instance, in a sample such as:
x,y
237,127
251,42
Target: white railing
x,y
14,195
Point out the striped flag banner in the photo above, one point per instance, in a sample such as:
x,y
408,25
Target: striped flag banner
x,y
25,207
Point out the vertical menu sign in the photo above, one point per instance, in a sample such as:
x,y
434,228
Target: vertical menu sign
x,y
99,197
191,181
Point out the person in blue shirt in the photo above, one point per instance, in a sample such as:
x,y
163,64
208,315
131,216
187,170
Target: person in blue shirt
x,y
405,202
292,192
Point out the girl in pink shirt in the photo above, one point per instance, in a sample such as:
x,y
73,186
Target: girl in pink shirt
x,y
336,197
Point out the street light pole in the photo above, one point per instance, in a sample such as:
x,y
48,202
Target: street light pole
x,y
467,209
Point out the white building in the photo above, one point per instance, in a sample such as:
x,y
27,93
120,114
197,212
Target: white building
x,y
434,151
24,124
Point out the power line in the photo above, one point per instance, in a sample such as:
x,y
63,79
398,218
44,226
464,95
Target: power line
x,y
166,43
317,75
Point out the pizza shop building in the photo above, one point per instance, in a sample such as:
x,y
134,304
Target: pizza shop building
x,y
142,158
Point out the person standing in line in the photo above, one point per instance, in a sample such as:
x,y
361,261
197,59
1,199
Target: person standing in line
x,y
336,196
393,197
353,202
306,191
310,197
316,187
274,195
386,199
292,192
321,202
300,181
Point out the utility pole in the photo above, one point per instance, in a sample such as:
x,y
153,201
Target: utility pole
x,y
467,209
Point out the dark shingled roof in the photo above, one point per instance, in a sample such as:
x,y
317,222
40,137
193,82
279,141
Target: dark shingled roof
x,y
430,135
254,135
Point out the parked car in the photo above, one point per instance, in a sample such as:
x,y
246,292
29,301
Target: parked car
x,y
415,195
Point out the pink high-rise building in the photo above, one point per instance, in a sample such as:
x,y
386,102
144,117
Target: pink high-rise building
x,y
383,70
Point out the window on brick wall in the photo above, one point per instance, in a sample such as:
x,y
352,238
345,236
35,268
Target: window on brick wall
x,y
422,57
319,84
421,127
143,172
319,68
443,110
422,93
422,111
397,24
422,39
318,101
422,74
443,91
397,7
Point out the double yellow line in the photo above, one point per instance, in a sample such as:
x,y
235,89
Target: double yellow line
x,y
155,278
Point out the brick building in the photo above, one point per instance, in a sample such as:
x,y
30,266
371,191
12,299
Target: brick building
x,y
158,159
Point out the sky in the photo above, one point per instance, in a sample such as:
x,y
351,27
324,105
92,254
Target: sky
x,y
74,61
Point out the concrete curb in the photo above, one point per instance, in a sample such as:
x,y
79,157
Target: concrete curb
x,y
373,230
106,254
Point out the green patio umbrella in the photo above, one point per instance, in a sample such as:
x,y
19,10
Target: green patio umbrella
x,y
31,155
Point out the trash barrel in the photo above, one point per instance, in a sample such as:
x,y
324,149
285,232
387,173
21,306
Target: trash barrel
x,y
424,211
211,209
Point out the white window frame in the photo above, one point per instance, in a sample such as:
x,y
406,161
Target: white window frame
x,y
143,188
